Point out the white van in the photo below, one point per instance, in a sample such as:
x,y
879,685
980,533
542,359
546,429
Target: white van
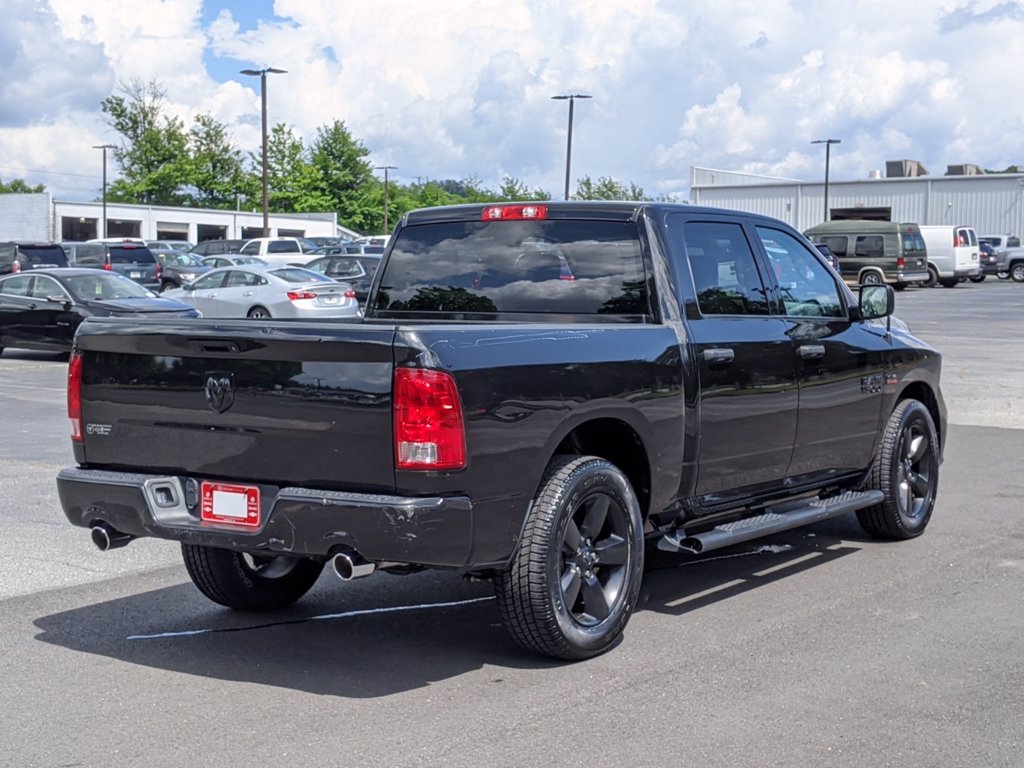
x,y
281,251
952,253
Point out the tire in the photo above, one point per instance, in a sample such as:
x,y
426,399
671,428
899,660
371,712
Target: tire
x,y
871,278
258,313
167,285
977,278
1,351
248,582
1017,272
949,282
1003,275
574,581
933,277
906,470
899,286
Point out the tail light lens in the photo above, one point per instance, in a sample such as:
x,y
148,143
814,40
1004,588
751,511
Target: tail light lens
x,y
900,262
297,295
429,430
350,294
159,270
75,397
15,266
108,268
514,212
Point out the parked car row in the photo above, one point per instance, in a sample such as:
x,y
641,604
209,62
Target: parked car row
x,y
902,254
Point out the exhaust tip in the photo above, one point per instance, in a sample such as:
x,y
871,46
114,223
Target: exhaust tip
x,y
106,538
349,566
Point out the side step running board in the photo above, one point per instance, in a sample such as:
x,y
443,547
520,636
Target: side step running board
x,y
781,517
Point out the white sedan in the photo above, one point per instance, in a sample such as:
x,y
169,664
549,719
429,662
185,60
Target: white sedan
x,y
260,291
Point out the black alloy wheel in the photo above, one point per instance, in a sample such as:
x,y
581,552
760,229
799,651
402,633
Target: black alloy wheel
x,y
906,470
575,579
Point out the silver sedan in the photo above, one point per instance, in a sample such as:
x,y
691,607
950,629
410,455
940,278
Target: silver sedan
x,y
268,291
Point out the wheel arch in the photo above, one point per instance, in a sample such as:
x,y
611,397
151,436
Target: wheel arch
x,y
617,441
874,270
922,392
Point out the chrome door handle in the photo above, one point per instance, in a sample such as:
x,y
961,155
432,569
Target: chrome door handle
x,y
719,356
811,351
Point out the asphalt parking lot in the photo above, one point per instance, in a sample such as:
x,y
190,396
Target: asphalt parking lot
x,y
814,647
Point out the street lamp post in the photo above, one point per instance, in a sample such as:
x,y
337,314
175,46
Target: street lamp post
x,y
262,73
104,147
828,147
386,168
571,97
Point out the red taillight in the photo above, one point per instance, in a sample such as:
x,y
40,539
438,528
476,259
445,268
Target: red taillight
x,y
75,397
16,266
900,262
429,432
350,294
108,268
514,212
296,295
159,270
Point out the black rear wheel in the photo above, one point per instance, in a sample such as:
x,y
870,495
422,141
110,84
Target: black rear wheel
x,y
871,278
977,278
575,579
258,313
249,582
906,470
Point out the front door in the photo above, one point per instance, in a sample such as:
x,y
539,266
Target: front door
x,y
840,363
746,371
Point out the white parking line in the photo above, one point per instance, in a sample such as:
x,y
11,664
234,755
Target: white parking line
x,y
345,615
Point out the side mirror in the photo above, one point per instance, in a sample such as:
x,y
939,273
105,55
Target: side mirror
x,y
875,301
187,286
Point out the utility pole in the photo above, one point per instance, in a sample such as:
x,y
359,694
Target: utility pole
x,y
104,147
828,147
262,74
386,168
568,143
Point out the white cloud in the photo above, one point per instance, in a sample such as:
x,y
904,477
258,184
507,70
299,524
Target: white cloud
x,y
459,88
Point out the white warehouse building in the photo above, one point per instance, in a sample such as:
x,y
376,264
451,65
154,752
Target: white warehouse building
x,y
40,217
992,203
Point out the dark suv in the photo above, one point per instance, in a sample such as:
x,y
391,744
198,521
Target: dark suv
x,y
19,257
217,247
129,259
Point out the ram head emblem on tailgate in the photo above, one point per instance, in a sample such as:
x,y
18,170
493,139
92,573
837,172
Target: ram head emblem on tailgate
x,y
220,390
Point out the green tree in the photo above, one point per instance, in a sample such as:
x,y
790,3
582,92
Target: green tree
x,y
345,176
513,189
607,189
18,186
217,172
154,152
293,183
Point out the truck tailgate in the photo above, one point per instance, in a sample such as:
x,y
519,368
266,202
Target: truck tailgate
x,y
272,402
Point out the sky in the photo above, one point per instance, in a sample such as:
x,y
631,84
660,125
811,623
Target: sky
x,y
462,89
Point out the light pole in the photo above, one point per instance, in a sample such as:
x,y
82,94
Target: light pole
x,y
104,147
568,143
385,168
262,73
828,150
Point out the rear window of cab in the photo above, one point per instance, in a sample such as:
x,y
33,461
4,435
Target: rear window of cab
x,y
522,266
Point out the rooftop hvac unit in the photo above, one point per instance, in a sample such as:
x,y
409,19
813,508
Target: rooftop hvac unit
x,y
967,169
896,169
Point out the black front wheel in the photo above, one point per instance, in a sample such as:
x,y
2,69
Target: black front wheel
x,y
258,313
906,470
249,582
575,578
977,278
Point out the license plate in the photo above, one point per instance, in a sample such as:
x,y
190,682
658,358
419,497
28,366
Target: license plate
x,y
231,504
332,299
134,274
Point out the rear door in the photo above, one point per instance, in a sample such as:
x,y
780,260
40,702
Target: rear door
x,y
52,318
966,250
745,361
16,308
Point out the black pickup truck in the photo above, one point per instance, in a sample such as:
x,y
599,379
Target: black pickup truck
x,y
535,391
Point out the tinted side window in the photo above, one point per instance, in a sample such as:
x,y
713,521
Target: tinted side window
x,y
16,286
44,287
38,255
252,249
912,243
835,243
725,274
870,246
807,286
238,278
216,280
